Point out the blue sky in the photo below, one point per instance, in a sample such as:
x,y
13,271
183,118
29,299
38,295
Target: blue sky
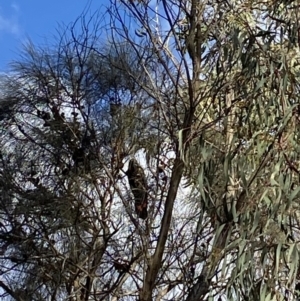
x,y
37,20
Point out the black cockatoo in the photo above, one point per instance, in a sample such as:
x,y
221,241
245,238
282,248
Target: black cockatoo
x,y
138,186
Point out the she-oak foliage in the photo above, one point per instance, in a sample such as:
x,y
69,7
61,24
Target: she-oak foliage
x,y
201,97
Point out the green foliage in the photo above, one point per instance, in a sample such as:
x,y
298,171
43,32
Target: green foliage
x,y
207,94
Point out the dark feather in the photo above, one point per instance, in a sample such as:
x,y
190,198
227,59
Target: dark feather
x,y
138,186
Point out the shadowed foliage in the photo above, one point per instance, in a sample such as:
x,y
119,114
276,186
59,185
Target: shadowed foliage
x,y
156,161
